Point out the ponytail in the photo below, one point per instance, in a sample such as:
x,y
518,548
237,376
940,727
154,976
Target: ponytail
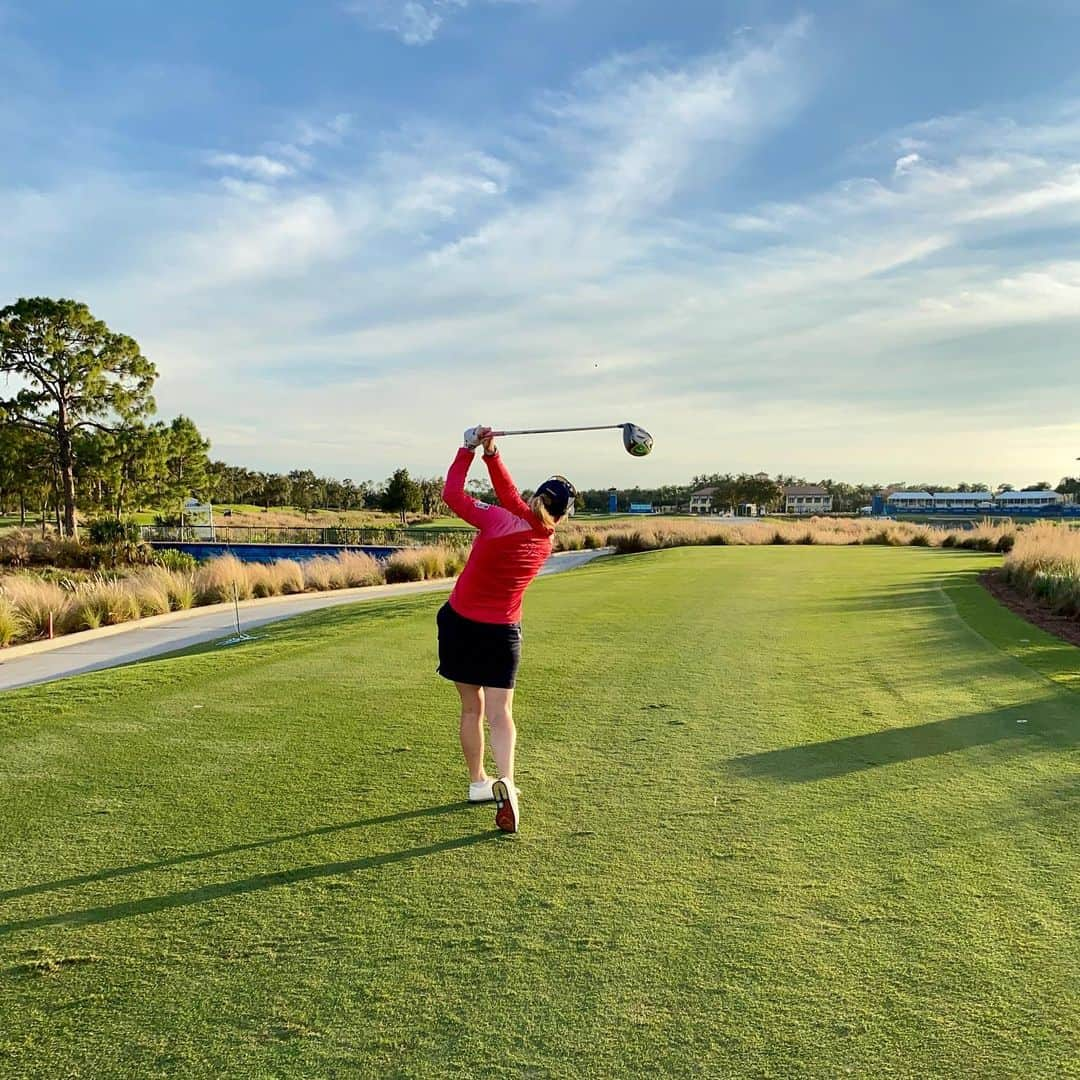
x,y
538,505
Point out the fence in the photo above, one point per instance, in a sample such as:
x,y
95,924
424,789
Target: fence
x,y
331,536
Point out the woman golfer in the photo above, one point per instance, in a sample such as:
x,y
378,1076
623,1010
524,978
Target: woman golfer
x,y
480,625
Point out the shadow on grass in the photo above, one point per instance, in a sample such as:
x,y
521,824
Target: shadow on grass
x,y
255,883
1047,722
177,860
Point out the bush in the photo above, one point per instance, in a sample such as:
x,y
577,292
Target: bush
x,y
11,624
1045,563
289,576
218,580
262,579
633,542
177,561
456,557
15,547
433,559
35,601
104,602
181,589
406,565
359,569
323,573
152,588
88,610
112,533
988,536
64,552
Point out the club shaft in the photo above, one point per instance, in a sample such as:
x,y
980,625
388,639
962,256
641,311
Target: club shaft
x,y
554,430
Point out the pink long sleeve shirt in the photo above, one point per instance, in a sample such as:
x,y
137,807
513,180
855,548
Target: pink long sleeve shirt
x,y
512,545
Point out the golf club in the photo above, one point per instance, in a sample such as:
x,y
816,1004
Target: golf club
x,y
637,440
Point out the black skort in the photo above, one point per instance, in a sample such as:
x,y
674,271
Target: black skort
x,y
483,654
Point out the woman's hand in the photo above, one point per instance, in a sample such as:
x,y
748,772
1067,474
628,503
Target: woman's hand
x,y
484,434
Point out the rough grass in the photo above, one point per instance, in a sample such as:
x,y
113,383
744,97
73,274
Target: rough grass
x,y
103,602
288,577
421,564
660,533
153,588
1045,564
405,565
11,623
323,573
223,579
37,602
788,812
81,601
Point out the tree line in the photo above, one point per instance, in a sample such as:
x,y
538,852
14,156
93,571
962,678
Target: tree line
x,y
78,436
730,491
400,493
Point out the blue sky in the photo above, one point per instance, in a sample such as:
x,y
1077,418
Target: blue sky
x,y
824,239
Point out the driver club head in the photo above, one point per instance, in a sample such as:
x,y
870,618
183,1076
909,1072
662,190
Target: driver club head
x,y
637,440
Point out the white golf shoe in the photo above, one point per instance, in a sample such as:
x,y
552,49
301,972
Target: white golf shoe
x,y
506,805
480,790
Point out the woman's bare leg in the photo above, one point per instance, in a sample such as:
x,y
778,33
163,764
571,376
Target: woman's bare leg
x,y
499,705
472,729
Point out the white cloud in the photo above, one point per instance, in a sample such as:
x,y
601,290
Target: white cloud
x,y
257,165
906,163
416,22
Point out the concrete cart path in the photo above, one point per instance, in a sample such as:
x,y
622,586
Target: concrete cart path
x,y
92,650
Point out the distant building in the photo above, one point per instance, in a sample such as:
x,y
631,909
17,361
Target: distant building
x,y
806,499
963,500
701,502
974,503
907,501
1027,500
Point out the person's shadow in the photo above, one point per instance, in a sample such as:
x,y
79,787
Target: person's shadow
x,y
203,893
1047,722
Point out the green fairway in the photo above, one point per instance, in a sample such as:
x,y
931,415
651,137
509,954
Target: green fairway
x,y
787,812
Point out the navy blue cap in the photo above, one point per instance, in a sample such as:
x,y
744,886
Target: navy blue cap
x,y
558,495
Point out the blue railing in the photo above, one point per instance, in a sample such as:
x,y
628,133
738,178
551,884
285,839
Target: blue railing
x,y
1067,511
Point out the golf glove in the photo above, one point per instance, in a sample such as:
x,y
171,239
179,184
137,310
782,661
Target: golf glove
x,y
472,440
